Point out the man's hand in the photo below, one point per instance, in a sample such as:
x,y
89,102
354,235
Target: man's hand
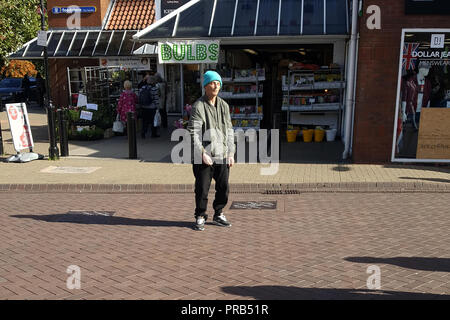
x,y
207,159
404,116
230,161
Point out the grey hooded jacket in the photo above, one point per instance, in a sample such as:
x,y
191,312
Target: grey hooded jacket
x,y
211,130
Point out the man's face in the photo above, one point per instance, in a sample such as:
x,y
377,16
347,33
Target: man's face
x,y
212,89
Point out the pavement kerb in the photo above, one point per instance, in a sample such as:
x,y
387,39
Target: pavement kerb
x,y
269,188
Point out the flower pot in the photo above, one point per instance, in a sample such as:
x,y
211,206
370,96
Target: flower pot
x,y
331,134
291,135
318,135
308,135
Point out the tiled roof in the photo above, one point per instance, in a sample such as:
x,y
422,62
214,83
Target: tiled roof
x,y
131,15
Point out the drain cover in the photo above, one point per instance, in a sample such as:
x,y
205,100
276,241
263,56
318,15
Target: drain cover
x,y
258,205
92,213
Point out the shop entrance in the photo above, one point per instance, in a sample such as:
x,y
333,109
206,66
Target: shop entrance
x,y
298,89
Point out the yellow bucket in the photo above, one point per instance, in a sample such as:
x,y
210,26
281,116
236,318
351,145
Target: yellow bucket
x,y
291,135
319,134
308,135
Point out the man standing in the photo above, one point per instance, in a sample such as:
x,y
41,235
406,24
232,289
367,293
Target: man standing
x,y
210,120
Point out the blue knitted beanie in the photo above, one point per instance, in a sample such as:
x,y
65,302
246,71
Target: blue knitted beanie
x,y
211,76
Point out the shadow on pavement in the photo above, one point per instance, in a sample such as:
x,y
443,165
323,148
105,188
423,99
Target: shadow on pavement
x,y
297,293
442,167
427,179
418,263
91,219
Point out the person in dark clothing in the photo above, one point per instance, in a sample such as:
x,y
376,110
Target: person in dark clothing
x,y
26,88
40,85
149,107
211,113
144,80
162,102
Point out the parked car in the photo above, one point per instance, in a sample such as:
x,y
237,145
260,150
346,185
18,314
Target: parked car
x,y
11,90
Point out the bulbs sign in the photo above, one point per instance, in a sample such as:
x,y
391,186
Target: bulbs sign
x,y
189,52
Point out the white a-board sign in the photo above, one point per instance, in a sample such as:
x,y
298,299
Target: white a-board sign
x,y
20,126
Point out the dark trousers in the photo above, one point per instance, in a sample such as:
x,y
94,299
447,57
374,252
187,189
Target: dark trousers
x,y
163,112
148,116
203,176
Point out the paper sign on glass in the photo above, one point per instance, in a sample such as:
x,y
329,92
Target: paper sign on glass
x,y
82,100
86,115
91,106
437,41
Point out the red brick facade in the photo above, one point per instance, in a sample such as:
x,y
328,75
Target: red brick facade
x,y
87,19
376,87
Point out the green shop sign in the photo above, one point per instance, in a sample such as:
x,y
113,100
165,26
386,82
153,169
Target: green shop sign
x,y
192,51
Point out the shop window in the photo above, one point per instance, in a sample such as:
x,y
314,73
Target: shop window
x,y
268,18
291,13
337,16
65,44
195,20
77,44
53,43
245,18
223,18
100,50
164,30
313,17
90,44
114,45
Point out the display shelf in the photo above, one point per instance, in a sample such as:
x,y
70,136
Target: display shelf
x,y
229,95
316,86
252,116
308,91
313,107
246,128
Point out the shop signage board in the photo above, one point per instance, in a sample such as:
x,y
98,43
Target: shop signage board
x,y
127,63
167,6
19,125
422,117
188,51
427,7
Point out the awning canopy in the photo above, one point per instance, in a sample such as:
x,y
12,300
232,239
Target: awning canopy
x,y
251,18
80,43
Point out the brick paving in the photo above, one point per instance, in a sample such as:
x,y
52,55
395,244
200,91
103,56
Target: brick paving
x,y
314,246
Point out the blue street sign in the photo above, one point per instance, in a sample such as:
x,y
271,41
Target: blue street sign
x,y
70,10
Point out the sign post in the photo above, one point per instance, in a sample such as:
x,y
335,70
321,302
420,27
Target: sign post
x,y
53,152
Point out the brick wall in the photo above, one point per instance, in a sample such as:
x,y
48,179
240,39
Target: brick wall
x,y
377,78
87,19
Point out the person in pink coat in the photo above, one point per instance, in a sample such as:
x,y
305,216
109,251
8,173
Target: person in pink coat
x,y
127,101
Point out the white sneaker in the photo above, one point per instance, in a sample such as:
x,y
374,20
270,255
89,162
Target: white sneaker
x,y
200,223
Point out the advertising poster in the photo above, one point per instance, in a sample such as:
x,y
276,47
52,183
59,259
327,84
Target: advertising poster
x,y
20,126
422,121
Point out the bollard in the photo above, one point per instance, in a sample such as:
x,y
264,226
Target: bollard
x,y
131,131
1,138
63,133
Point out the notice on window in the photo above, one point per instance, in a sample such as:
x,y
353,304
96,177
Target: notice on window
x,y
434,135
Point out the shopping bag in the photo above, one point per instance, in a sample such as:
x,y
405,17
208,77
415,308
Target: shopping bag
x,y
157,119
118,125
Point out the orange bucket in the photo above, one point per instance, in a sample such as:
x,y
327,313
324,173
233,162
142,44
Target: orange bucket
x,y
291,135
308,135
319,134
